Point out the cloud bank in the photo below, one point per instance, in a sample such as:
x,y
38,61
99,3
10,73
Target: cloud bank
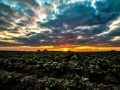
x,y
59,22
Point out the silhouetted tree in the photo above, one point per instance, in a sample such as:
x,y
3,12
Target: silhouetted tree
x,y
45,50
69,51
38,50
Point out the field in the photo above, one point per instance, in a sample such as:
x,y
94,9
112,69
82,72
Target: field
x,y
59,70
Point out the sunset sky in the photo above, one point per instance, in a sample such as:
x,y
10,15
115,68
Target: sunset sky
x,y
77,25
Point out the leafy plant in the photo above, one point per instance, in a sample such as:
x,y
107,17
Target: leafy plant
x,y
51,84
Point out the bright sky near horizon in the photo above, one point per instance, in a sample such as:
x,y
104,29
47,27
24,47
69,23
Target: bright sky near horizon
x,y
77,25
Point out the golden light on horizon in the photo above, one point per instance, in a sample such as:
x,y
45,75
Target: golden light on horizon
x,y
65,49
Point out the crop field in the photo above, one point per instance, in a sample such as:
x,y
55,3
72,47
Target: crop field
x,y
59,70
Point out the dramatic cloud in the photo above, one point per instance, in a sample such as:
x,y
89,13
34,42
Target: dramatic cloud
x,y
59,22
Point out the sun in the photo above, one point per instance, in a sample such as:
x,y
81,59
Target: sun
x,y
65,49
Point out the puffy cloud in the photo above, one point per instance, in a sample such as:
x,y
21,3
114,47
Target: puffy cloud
x,y
61,22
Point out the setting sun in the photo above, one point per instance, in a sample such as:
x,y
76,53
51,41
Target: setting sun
x,y
65,49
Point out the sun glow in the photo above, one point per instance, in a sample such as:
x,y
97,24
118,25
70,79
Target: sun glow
x,y
65,49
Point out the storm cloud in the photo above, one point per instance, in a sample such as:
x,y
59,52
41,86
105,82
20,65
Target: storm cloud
x,y
60,22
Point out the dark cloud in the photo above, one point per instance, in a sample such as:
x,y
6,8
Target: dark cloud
x,y
70,23
115,32
4,24
73,15
30,12
3,29
20,24
5,9
34,40
6,13
4,43
79,14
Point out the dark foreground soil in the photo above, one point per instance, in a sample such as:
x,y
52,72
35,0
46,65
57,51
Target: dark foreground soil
x,y
59,71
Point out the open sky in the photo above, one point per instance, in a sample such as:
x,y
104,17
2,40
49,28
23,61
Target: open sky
x,y
77,25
